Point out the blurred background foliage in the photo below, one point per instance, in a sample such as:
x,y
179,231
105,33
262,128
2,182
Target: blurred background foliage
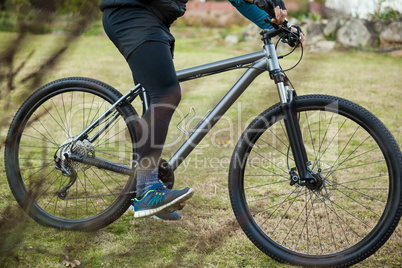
x,y
26,19
40,17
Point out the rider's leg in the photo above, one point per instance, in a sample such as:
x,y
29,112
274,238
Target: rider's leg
x,y
152,66
146,44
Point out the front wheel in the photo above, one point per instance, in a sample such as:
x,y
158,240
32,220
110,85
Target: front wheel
x,y
347,218
55,190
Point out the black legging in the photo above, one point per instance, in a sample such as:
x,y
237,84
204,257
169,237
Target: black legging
x,y
152,66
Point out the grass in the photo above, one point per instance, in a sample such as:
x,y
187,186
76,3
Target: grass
x,y
209,235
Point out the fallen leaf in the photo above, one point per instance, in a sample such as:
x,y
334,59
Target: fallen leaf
x,y
67,262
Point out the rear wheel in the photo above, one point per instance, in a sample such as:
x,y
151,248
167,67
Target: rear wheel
x,y
354,210
42,132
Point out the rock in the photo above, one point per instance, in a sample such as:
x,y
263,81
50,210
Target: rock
x,y
323,46
252,33
332,27
313,32
312,40
313,28
392,34
232,39
294,21
357,33
380,25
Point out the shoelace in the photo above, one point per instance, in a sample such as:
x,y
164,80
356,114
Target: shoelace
x,y
162,189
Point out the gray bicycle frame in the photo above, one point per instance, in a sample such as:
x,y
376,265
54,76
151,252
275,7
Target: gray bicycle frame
x,y
265,60
260,64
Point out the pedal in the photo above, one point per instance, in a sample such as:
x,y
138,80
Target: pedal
x,y
175,207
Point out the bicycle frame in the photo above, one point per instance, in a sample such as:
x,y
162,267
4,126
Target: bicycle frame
x,y
260,65
265,60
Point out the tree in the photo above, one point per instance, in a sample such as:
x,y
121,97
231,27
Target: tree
x,y
2,5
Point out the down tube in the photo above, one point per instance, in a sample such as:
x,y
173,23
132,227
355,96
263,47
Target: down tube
x,y
220,109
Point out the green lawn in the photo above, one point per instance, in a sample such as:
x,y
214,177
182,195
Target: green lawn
x,y
209,235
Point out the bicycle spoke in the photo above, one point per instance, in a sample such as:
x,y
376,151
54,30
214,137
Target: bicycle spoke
x,y
102,181
358,191
46,138
332,140
61,127
71,114
88,121
311,136
346,159
65,115
106,141
264,158
295,220
273,196
87,197
276,149
355,166
107,174
323,139
45,191
266,184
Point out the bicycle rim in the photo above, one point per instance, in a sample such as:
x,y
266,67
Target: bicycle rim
x,y
358,205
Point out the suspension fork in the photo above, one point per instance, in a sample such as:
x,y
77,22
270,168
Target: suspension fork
x,y
291,121
293,130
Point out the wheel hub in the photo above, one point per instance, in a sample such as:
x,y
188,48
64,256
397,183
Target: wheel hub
x,y
316,183
323,186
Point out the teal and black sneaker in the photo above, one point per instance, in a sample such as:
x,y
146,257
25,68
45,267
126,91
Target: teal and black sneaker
x,y
159,198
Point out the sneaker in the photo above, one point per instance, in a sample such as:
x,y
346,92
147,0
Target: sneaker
x,y
159,198
166,216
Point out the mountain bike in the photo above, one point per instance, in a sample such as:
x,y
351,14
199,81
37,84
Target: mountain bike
x,y
314,180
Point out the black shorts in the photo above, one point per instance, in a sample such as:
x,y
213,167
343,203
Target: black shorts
x,y
129,27
147,45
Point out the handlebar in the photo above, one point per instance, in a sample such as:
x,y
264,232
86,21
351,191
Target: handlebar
x,y
289,37
285,33
266,5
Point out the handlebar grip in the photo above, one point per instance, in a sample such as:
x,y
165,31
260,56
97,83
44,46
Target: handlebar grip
x,y
266,5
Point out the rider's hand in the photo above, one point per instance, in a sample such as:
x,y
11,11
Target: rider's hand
x,y
279,11
280,15
301,35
